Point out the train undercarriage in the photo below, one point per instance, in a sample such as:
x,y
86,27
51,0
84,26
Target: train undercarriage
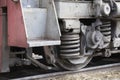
x,y
65,34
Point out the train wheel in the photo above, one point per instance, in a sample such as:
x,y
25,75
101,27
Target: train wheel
x,y
74,64
70,56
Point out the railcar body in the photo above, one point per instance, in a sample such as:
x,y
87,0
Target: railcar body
x,y
65,33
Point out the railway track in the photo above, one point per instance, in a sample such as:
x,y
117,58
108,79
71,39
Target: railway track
x,y
66,72
35,73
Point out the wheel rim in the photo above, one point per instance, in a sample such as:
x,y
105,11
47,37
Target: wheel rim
x,y
66,64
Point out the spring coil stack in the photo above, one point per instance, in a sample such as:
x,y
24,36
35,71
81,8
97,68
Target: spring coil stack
x,y
106,30
70,45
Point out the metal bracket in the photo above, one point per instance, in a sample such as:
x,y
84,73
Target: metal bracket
x,y
49,56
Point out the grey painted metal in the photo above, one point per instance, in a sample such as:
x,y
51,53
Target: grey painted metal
x,y
116,42
31,3
35,23
116,39
101,8
5,48
47,42
74,9
71,23
85,9
117,29
41,24
117,13
53,28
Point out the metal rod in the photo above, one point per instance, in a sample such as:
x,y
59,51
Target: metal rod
x,y
38,63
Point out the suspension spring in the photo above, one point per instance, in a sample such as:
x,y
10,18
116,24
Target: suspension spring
x,y
70,45
106,30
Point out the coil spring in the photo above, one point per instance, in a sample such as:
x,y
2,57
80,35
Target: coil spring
x,y
70,45
106,30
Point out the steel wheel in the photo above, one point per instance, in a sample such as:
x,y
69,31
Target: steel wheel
x,y
76,62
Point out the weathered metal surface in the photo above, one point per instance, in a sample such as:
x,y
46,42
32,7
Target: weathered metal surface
x,y
69,24
36,27
117,13
35,23
5,49
16,29
74,10
30,3
4,55
116,34
47,42
39,28
53,28
85,9
0,39
116,42
3,3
